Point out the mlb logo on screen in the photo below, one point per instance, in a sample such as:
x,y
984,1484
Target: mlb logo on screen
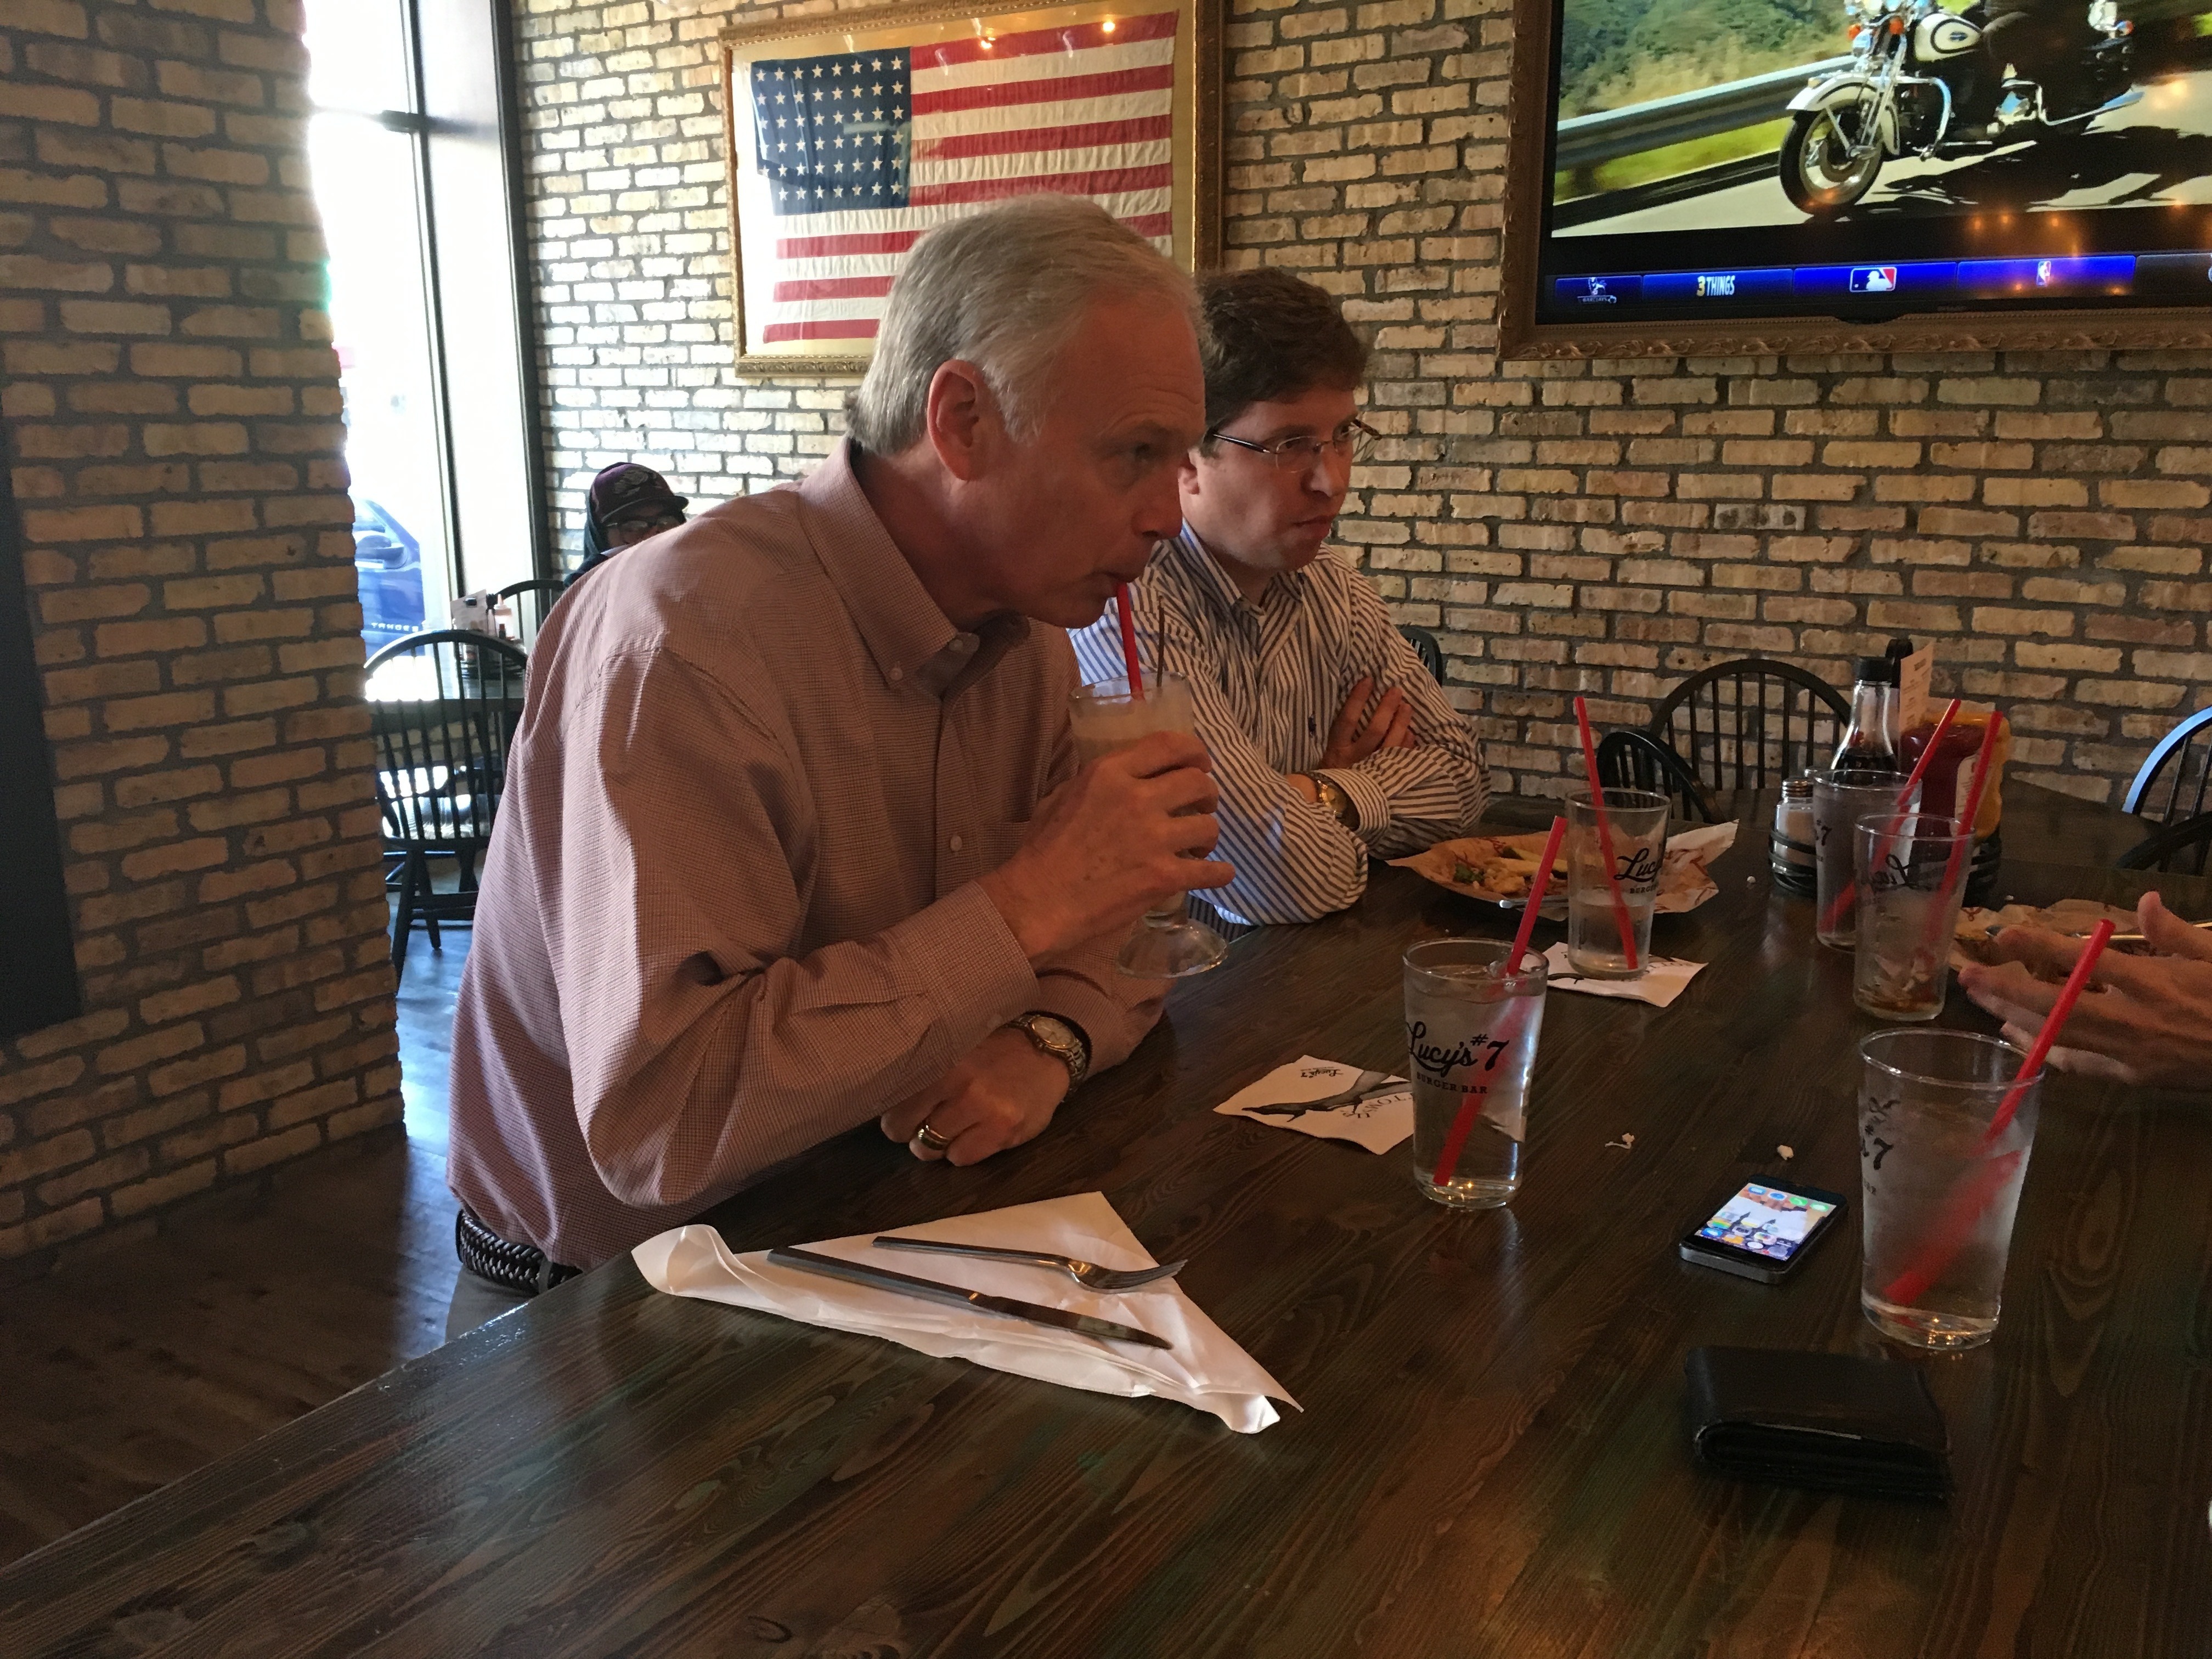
x,y
1873,279
1720,286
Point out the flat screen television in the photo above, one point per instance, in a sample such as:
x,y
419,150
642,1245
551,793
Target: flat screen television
x,y
1695,176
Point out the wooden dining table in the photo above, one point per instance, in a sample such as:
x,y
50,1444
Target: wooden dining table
x,y
1489,1454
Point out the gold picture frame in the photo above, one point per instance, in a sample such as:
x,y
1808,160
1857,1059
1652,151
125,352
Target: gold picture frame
x,y
951,144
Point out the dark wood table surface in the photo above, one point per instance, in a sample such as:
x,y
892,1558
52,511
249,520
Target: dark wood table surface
x,y
1491,1459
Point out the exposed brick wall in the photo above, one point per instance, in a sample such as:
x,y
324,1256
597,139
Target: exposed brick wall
x,y
172,403
1605,528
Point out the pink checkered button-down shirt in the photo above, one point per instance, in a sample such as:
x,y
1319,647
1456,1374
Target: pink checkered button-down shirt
x,y
730,908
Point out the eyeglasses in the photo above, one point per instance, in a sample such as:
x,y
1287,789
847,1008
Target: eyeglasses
x,y
1355,439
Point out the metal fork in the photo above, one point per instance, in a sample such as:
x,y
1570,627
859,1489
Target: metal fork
x,y
1088,1273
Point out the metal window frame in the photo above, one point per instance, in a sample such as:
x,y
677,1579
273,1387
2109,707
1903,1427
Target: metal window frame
x,y
422,129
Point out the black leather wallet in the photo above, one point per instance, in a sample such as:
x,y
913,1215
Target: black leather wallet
x,y
1833,1422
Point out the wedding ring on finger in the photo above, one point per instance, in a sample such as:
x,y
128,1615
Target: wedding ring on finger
x,y
928,1138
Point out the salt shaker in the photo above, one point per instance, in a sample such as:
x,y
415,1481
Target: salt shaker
x,y
1792,841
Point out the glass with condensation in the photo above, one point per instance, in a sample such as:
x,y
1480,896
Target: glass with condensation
x,y
1937,1190
1471,1031
1107,718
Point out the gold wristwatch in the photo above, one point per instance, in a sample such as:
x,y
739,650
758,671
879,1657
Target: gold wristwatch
x,y
1334,799
1063,1039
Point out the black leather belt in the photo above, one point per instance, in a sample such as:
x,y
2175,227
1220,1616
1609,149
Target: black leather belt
x,y
523,1268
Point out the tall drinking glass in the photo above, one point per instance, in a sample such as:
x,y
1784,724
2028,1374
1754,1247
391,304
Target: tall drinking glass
x,y
1906,914
1840,799
1167,943
1636,820
1938,1192
1471,1032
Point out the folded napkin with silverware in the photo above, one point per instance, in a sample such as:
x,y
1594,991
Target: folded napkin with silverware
x,y
1329,1099
1026,1317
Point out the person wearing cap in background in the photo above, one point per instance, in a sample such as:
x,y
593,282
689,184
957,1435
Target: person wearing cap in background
x,y
625,504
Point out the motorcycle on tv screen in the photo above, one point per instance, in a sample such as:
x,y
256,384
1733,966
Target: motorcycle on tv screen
x,y
1863,162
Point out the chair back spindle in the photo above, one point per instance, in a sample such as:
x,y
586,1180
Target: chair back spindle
x,y
1634,760
443,712
1751,723
2176,781
2183,847
533,602
1426,648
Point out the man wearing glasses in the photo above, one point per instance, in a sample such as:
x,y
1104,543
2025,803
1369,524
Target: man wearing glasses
x,y
1329,739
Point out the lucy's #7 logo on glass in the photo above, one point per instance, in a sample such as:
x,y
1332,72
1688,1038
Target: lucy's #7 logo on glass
x,y
1436,1061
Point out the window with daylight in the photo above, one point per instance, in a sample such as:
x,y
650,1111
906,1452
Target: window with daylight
x,y
415,177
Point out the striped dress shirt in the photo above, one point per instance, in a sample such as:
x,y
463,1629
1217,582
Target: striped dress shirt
x,y
1267,680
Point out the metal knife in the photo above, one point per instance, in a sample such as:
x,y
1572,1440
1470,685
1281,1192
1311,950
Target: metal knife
x,y
929,1290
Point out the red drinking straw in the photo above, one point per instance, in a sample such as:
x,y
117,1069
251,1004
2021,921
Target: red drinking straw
x,y
1844,899
1129,640
1973,812
1605,838
1963,1212
1463,1124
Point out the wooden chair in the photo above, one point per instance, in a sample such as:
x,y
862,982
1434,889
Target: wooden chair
x,y
2176,780
2183,848
1426,648
443,710
1751,723
533,603
1634,760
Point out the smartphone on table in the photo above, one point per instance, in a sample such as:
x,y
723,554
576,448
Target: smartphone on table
x,y
1765,1230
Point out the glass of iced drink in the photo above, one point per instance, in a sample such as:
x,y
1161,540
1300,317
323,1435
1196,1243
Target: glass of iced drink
x,y
1167,943
1636,821
1938,1190
1470,1031
1906,913
1840,799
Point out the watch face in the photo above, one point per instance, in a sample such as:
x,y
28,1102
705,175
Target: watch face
x,y
1057,1037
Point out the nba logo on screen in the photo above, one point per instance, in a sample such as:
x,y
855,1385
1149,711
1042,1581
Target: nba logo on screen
x,y
1873,279
1716,288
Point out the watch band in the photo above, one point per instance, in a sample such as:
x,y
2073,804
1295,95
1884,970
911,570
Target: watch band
x,y
1060,1038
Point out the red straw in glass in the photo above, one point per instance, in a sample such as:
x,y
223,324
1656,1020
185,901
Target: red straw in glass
x,y
1605,838
1963,1212
1905,795
1129,640
1981,783
1471,1108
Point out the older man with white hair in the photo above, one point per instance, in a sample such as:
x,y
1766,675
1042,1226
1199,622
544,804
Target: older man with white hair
x,y
793,837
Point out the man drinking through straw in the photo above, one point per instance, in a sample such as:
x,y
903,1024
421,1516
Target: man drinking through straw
x,y
794,839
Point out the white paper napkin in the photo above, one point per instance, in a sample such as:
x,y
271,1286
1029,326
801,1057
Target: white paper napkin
x,y
1288,1097
1204,1369
1683,883
1664,979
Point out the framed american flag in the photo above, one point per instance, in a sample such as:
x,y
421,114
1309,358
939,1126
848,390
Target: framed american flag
x,y
852,134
